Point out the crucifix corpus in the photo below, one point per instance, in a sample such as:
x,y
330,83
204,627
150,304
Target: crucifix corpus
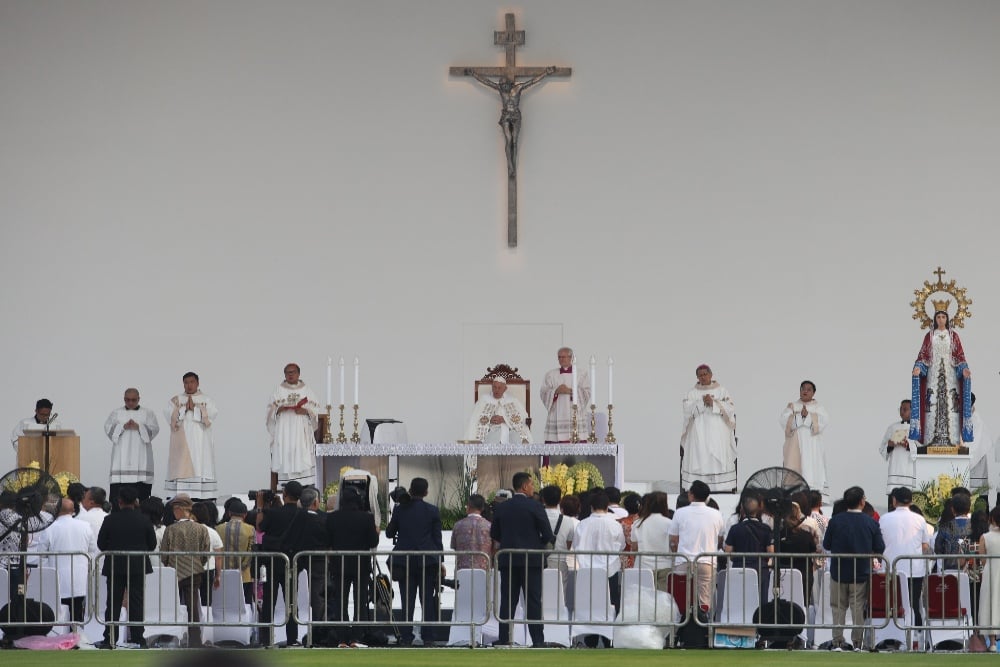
x,y
504,80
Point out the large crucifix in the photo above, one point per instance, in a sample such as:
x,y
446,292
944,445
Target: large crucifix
x,y
510,90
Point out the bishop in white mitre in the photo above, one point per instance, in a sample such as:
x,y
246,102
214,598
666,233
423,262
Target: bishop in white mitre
x,y
708,442
900,452
497,417
292,419
191,462
557,397
131,430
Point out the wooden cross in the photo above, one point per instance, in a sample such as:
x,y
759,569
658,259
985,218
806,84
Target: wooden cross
x,y
510,98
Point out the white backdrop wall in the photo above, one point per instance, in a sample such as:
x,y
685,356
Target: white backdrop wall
x,y
228,186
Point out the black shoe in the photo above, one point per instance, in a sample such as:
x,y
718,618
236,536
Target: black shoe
x,y
293,643
103,644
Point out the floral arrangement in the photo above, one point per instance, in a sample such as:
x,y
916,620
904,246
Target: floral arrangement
x,y
931,496
580,477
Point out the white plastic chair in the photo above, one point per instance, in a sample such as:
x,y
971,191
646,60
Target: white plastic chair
x,y
43,585
554,608
471,606
740,597
592,604
162,604
229,606
790,589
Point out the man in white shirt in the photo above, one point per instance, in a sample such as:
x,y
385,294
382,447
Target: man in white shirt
x,y
496,415
131,430
601,532
71,536
696,529
905,534
93,508
43,415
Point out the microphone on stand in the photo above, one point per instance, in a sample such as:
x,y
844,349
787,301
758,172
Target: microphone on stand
x,y
48,422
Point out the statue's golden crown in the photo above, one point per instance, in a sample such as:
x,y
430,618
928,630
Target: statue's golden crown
x,y
941,305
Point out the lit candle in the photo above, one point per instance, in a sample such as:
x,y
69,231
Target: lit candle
x,y
575,393
611,381
357,365
329,380
593,380
341,380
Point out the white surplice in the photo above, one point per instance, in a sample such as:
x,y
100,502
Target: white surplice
x,y
803,451
559,422
902,461
514,416
191,463
980,453
293,440
709,438
131,450
28,426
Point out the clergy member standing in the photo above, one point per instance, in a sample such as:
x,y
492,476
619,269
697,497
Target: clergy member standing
x,y
900,452
35,423
131,430
708,443
557,397
804,421
496,415
191,463
292,419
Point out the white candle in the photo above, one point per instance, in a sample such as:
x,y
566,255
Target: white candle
x,y
341,380
593,380
329,380
575,392
611,381
357,365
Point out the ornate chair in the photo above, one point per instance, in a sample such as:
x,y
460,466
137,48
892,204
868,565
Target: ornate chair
x,y
517,386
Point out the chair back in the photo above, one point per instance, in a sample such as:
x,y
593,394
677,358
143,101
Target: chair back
x,y
677,585
228,603
43,585
943,600
741,596
883,597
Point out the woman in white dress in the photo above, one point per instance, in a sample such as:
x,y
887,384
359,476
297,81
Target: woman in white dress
x,y
989,595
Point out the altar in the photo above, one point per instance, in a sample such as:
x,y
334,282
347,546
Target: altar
x,y
446,465
927,467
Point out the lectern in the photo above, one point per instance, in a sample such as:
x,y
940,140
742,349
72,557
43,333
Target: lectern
x,y
61,449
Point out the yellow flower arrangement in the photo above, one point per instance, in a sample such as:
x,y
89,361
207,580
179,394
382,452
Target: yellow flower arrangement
x,y
570,480
931,496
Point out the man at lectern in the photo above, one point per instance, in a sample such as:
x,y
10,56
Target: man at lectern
x,y
43,415
131,430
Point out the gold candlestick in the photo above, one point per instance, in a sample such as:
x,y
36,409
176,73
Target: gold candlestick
x,y
574,435
355,437
341,437
327,437
593,424
610,437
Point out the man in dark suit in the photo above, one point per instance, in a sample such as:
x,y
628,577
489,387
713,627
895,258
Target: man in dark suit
x,y
521,523
350,529
127,530
307,532
273,522
416,526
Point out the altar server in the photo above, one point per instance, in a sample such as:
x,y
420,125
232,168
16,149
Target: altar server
x,y
43,415
131,430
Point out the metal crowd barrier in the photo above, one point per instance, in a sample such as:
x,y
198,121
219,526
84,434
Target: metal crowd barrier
x,y
228,602
344,593
39,583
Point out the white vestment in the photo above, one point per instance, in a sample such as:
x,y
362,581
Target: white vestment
x,y
293,440
803,450
559,422
902,461
513,414
709,438
979,454
29,426
131,450
191,463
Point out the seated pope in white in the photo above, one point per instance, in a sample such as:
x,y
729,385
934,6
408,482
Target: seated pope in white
x,y
496,415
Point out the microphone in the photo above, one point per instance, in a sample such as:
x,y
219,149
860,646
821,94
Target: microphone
x,y
52,418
